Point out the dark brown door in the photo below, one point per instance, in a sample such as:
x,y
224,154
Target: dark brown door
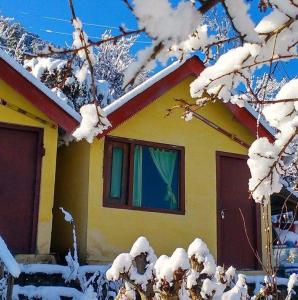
x,y
232,194
20,149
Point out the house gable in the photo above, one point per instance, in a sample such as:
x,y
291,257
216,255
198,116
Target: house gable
x,y
37,93
125,107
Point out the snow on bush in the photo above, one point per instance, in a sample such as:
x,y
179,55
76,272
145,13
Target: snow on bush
x,y
191,275
184,275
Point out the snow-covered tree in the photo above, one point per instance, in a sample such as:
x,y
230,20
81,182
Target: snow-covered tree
x,y
112,59
67,74
16,41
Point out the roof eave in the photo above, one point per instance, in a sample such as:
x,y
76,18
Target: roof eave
x,y
68,120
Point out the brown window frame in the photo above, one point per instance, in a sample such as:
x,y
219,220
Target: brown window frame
x,y
126,189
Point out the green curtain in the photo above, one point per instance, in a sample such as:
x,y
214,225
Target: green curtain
x,y
116,176
165,161
137,176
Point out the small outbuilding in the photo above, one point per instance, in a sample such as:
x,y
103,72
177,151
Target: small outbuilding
x,y
30,115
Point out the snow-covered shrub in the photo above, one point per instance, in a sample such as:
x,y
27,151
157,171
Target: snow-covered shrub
x,y
186,275
190,274
93,286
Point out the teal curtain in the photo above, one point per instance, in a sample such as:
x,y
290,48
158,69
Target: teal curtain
x,y
116,176
165,161
137,176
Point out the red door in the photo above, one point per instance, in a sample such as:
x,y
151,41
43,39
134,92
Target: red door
x,y
20,160
232,194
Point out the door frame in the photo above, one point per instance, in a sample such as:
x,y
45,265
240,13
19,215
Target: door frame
x,y
39,154
258,230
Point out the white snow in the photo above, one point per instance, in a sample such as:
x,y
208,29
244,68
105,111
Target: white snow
x,y
262,155
90,125
121,264
59,269
125,263
198,249
20,69
272,21
219,79
238,11
212,288
41,64
140,246
165,266
9,262
164,22
67,216
292,281
238,292
47,292
80,39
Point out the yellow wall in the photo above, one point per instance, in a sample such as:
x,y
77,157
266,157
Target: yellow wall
x,y
48,162
111,231
71,193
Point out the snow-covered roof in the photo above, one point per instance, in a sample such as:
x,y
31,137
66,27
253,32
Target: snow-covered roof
x,y
142,87
39,85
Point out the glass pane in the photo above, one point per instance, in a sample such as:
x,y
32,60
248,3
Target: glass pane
x,y
116,172
156,185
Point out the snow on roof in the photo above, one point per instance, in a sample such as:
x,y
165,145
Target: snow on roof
x,y
21,70
142,87
262,120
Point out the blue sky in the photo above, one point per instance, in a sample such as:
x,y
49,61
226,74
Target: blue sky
x,y
40,17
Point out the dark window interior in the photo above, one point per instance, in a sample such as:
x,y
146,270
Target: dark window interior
x,y
143,175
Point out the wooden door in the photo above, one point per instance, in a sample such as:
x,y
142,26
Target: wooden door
x,y
20,161
232,194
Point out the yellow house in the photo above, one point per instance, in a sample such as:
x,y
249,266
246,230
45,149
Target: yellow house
x,y
161,177
30,115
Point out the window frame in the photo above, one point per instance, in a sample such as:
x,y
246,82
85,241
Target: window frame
x,y
128,174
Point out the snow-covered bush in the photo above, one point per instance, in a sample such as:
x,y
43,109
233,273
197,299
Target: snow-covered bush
x,y
190,274
66,75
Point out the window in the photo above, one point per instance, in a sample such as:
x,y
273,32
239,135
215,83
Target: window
x,y
143,175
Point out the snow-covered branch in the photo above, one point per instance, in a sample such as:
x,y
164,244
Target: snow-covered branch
x,y
259,49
